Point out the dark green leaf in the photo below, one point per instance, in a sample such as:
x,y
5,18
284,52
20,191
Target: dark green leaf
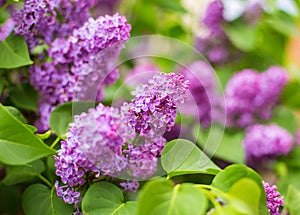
x,y
221,144
63,115
24,96
16,113
230,175
163,198
106,199
1,84
40,200
17,143
14,52
292,200
18,174
181,157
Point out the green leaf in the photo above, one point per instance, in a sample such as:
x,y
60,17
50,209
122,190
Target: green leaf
x,y
24,96
233,173
16,113
228,148
14,52
285,118
31,128
40,200
17,143
163,198
181,157
292,200
244,196
291,95
63,115
244,37
18,174
282,23
106,199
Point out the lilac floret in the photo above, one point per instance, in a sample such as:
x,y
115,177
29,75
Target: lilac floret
x,y
274,199
265,142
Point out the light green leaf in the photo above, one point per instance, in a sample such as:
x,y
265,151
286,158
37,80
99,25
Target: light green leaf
x,y
225,179
40,200
24,96
285,118
245,195
292,200
106,199
14,52
18,174
181,157
162,197
16,113
17,143
63,115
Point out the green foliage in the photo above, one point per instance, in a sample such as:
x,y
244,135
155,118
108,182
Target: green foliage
x,y
291,95
221,144
163,198
181,157
284,117
226,179
292,200
16,113
63,115
40,200
24,96
106,199
18,174
14,52
17,143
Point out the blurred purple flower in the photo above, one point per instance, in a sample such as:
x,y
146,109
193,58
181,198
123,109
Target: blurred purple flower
x,y
204,96
251,96
6,28
264,142
274,199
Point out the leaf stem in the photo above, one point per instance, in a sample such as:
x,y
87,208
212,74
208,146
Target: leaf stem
x,y
55,142
45,180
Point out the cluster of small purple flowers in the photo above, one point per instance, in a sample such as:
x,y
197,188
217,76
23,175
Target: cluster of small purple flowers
x,y
266,141
251,96
82,63
37,21
214,44
203,93
106,142
274,200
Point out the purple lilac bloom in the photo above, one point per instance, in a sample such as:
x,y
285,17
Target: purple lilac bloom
x,y
102,142
154,108
83,63
34,21
6,28
274,199
251,96
215,44
130,185
204,94
264,142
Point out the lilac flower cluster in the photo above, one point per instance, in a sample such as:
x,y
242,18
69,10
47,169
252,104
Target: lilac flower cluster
x,y
35,21
82,63
274,199
203,93
214,45
106,142
266,141
40,21
153,110
6,28
251,96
